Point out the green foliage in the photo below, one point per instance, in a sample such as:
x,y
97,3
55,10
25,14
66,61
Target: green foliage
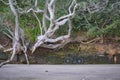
x,y
4,29
5,12
30,26
32,33
3,7
26,4
93,32
113,29
104,22
61,7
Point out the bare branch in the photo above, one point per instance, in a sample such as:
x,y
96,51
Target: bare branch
x,y
54,25
62,22
95,7
7,35
51,7
1,47
38,22
71,13
72,4
70,27
55,46
4,2
114,4
18,33
91,41
45,17
36,2
57,39
36,11
57,43
27,10
7,50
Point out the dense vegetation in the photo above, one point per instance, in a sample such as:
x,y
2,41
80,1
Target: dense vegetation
x,y
100,22
105,22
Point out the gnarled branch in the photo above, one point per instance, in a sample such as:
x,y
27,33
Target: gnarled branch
x,y
54,25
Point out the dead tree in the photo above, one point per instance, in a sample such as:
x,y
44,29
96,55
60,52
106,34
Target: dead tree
x,y
17,37
47,32
45,39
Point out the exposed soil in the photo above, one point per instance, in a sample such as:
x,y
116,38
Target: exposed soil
x,y
44,55
5,42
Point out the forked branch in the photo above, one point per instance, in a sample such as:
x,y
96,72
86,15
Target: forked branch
x,y
54,25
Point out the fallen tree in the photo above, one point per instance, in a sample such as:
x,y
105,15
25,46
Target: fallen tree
x,y
47,30
54,24
18,38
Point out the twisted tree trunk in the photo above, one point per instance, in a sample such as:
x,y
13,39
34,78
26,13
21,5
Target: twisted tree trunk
x,y
54,25
17,36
